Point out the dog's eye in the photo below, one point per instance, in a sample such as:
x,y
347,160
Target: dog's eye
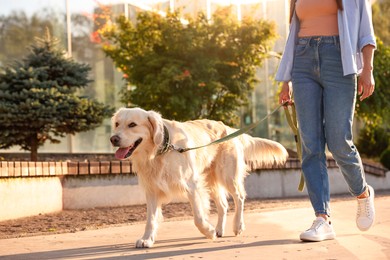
x,y
132,124
116,124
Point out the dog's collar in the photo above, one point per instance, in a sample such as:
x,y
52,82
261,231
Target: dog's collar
x,y
166,146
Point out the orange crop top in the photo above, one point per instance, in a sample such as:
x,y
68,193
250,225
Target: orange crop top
x,y
317,17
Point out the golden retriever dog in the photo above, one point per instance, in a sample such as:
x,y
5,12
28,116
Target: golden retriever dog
x,y
214,171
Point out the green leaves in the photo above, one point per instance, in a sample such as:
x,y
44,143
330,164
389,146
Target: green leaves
x,y
198,69
38,100
381,21
374,111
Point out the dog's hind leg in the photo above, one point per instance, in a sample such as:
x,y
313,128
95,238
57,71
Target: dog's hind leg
x,y
237,192
153,214
200,205
232,172
218,194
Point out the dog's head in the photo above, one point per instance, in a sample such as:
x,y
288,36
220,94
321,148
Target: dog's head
x,y
136,130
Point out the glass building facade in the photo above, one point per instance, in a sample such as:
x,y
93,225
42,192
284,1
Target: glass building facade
x,y
74,24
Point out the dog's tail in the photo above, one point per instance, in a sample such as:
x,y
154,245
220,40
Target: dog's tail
x,y
263,153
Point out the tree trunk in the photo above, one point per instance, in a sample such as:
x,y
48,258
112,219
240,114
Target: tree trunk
x,y
34,149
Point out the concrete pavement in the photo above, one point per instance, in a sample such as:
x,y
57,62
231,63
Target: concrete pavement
x,y
271,234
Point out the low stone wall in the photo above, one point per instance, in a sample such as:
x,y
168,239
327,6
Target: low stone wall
x,y
113,190
28,189
23,197
284,183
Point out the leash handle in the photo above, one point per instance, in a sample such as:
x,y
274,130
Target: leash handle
x,y
292,121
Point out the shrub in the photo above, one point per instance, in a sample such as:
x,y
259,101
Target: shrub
x,y
373,141
385,158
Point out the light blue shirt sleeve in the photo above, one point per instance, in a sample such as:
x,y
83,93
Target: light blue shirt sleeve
x,y
285,67
355,31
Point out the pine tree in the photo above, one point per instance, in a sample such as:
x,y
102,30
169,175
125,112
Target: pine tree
x,y
39,101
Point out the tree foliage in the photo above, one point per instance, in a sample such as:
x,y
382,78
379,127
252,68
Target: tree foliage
x,y
381,20
189,69
39,101
374,138
373,141
385,158
375,111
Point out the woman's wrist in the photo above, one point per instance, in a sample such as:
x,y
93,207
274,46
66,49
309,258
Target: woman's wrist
x,y
368,68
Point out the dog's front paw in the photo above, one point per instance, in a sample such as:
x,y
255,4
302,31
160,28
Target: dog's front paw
x,y
219,232
144,243
239,229
211,234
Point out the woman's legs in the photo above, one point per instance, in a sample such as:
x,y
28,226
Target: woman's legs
x,y
310,118
325,102
339,105
308,96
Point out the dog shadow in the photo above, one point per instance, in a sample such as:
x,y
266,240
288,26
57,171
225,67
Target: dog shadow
x,y
171,247
178,249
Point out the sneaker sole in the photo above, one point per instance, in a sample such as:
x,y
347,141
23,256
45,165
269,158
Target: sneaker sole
x,y
318,239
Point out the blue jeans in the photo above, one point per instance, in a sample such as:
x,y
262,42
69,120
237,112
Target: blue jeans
x,y
325,104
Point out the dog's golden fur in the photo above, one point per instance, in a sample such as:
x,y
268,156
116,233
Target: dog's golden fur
x,y
213,171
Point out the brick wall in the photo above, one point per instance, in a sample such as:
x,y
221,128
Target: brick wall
x,y
31,169
43,169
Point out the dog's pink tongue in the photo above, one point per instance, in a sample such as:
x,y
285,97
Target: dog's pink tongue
x,y
121,153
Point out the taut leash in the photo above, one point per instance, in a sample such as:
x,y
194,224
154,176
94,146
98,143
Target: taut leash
x,y
230,136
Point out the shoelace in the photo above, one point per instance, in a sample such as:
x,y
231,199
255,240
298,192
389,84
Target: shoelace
x,y
316,224
363,205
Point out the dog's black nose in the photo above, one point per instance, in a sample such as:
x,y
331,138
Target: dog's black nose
x,y
115,140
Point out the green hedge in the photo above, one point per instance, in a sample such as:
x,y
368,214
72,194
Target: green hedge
x,y
385,158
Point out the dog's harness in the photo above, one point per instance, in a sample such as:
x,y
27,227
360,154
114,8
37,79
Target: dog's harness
x,y
166,146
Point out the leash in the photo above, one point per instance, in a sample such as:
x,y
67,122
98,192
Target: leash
x,y
292,121
228,137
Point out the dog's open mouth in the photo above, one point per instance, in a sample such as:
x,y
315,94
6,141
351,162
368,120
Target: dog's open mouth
x,y
123,153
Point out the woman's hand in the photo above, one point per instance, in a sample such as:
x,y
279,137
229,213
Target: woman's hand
x,y
285,94
366,84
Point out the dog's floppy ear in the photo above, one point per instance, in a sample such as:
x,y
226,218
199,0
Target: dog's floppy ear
x,y
157,127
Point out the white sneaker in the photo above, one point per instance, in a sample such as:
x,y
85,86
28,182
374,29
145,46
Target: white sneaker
x,y
320,230
366,211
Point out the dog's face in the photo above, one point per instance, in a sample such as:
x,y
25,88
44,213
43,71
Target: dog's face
x,y
135,129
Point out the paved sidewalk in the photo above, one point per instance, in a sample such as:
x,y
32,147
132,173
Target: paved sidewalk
x,y
270,235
